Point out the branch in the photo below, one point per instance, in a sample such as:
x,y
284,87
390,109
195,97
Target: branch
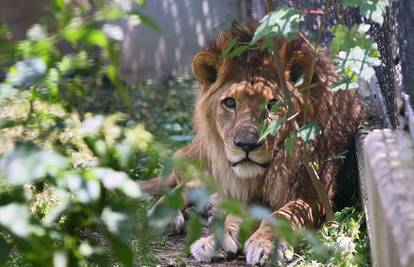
x,y
313,175
323,196
308,78
280,68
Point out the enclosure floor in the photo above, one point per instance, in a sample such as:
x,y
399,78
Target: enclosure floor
x,y
172,254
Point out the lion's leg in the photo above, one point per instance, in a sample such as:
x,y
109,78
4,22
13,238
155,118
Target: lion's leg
x,y
191,152
178,223
205,250
299,213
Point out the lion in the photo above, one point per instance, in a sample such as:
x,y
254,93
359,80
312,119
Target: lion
x,y
227,118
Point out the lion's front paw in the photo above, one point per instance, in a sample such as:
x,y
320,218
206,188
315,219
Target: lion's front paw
x,y
204,249
257,249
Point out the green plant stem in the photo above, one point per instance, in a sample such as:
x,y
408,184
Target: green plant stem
x,y
306,158
323,196
308,79
280,68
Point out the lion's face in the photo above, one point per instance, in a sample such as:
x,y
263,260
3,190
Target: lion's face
x,y
234,106
235,98
240,111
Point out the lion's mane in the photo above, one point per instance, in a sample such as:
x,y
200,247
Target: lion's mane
x,y
337,113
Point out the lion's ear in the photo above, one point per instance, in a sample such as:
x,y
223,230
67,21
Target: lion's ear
x,y
205,68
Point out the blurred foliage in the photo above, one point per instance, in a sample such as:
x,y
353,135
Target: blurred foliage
x,y
353,49
67,174
373,10
343,243
74,138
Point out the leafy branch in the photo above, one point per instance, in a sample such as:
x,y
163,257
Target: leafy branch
x,y
282,83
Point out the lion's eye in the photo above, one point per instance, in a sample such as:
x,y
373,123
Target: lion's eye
x,y
273,105
229,103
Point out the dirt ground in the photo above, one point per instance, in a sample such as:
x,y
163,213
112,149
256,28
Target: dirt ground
x,y
172,255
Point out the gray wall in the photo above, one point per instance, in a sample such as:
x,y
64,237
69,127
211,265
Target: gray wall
x,y
185,25
21,14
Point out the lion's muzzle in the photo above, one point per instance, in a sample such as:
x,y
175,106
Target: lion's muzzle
x,y
249,160
247,139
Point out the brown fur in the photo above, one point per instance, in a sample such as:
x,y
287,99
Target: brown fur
x,y
251,79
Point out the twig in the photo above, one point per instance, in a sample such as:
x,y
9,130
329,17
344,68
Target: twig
x,y
323,197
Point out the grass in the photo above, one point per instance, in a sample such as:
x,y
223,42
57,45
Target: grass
x,y
145,245
343,243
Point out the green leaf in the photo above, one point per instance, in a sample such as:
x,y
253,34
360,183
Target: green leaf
x,y
125,154
344,84
25,73
117,180
86,190
120,222
372,9
56,212
60,259
162,217
284,228
90,35
275,108
308,132
260,213
92,126
27,163
273,128
283,23
36,32
289,144
194,229
15,217
4,251
233,50
299,81
345,39
113,31
246,229
198,196
112,72
175,199
148,21
237,51
7,92
228,48
232,206
217,226
122,250
359,61
58,5
10,123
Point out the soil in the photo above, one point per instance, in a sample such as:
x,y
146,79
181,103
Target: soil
x,y
172,254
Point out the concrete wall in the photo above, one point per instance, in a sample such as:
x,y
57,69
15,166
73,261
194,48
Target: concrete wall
x,y
186,25
19,15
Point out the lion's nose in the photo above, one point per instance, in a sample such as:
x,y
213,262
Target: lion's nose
x,y
247,140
